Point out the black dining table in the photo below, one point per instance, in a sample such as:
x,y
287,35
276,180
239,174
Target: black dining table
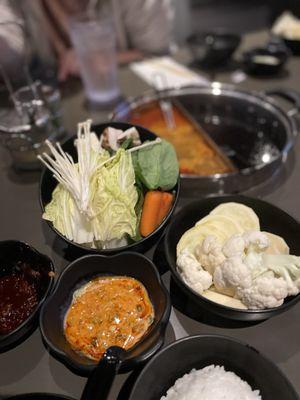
x,y
29,367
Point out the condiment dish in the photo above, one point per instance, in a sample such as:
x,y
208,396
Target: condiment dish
x,y
211,49
265,61
82,271
292,44
14,254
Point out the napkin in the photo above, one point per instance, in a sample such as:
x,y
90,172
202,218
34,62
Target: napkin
x,y
287,25
171,73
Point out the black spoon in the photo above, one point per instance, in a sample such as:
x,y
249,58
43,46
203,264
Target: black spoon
x,y
101,379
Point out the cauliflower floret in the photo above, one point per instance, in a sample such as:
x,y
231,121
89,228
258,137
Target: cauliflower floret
x,y
293,288
286,266
192,272
209,253
256,241
266,291
230,275
234,246
254,262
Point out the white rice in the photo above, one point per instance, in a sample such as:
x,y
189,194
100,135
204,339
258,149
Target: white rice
x,y
211,383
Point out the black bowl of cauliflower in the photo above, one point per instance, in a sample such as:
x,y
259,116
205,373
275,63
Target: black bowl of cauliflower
x,y
235,256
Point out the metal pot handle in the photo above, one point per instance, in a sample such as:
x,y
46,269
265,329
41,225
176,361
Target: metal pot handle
x,y
291,96
101,379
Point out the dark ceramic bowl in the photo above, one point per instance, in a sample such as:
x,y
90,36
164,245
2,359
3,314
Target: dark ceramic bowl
x,y
213,49
272,219
197,352
81,271
265,61
293,45
48,184
11,252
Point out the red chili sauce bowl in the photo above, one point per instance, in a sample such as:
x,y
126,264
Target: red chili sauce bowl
x,y
26,278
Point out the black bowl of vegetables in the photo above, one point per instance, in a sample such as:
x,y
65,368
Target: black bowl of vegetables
x,y
255,277
26,279
111,189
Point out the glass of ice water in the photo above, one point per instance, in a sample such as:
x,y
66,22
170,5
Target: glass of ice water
x,y
94,42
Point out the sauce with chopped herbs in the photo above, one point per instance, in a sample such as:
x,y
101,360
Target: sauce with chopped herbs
x,y
108,311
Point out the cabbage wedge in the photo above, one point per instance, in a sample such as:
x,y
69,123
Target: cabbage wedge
x,y
114,200
63,212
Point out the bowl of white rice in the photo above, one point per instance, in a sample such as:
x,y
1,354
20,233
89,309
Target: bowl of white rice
x,y
211,367
211,383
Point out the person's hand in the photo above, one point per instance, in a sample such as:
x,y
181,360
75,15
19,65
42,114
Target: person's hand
x,y
67,65
128,56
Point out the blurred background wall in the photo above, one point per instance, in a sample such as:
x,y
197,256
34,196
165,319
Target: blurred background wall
x,y
239,16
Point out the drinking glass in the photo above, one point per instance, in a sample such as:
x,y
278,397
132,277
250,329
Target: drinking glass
x,y
94,42
35,118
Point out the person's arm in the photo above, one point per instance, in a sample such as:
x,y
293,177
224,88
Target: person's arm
x,y
147,24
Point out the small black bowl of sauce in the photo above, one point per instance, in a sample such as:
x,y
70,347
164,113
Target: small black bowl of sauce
x,y
213,49
265,61
26,278
92,309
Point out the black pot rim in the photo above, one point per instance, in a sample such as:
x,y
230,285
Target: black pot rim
x,y
196,296
37,310
159,329
203,336
127,247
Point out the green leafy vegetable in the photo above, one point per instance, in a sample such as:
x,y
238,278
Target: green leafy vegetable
x,y
157,166
127,143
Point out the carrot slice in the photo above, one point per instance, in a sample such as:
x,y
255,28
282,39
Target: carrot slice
x,y
155,208
167,201
150,212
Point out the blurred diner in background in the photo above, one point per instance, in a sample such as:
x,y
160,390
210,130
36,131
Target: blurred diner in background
x,y
49,46
141,28
39,32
